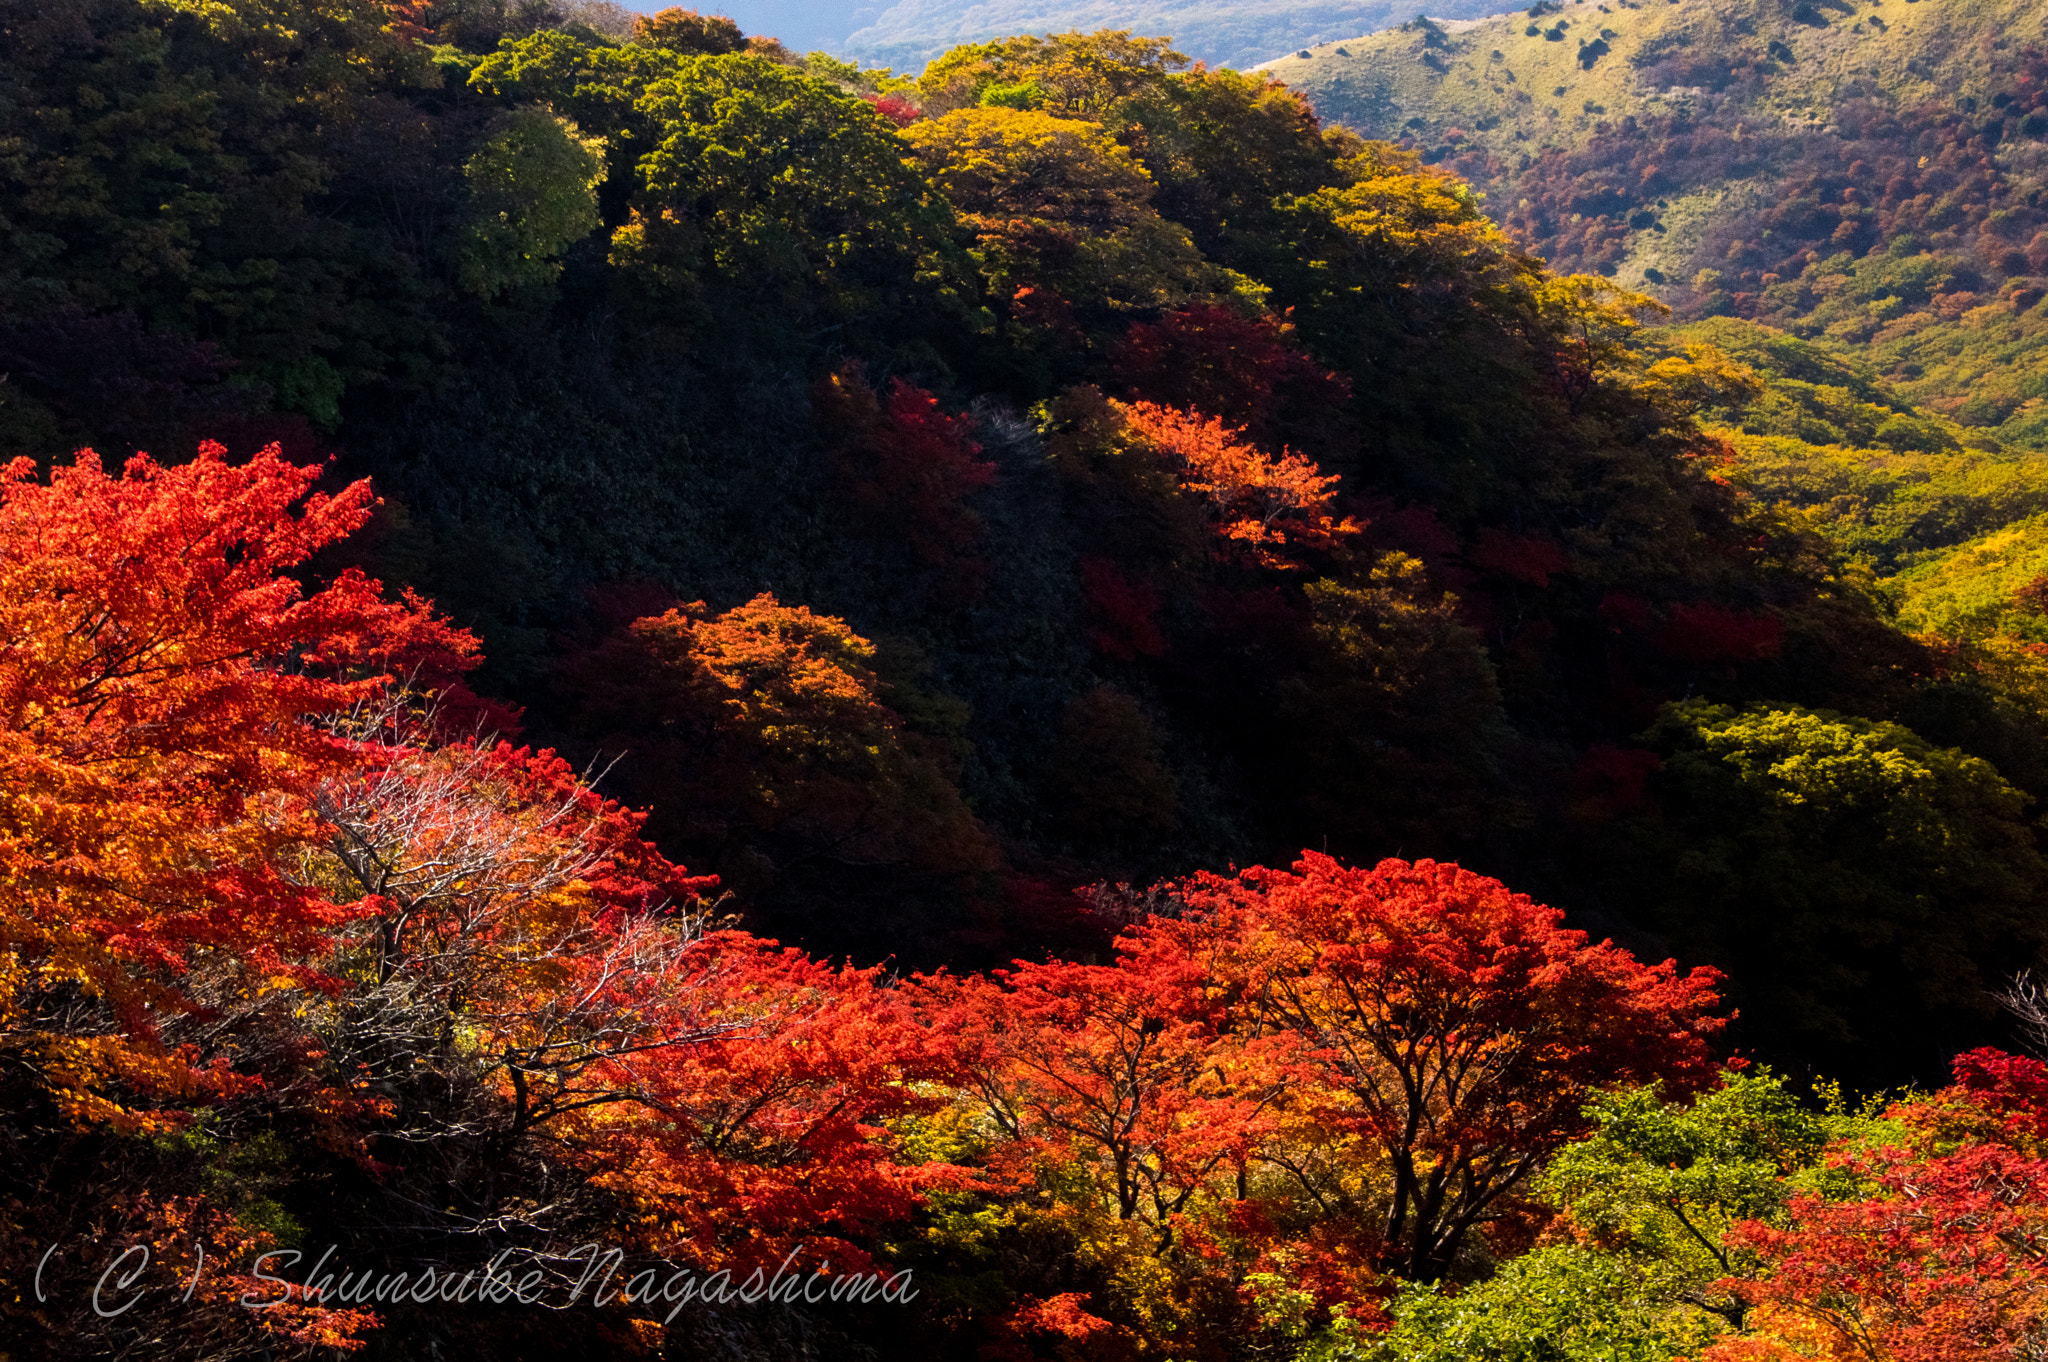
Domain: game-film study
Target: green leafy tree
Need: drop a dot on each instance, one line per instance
(171, 161)
(1557, 1304)
(1650, 1197)
(532, 194)
(783, 187)
(1663, 1182)
(599, 85)
(1860, 884)
(1393, 723)
(755, 193)
(1228, 150)
(1404, 245)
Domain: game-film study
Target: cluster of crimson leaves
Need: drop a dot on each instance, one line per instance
(1943, 1254)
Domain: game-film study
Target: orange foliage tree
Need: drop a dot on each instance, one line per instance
(760, 740)
(246, 871)
(164, 742)
(1127, 1111)
(1457, 1029)
(1260, 504)
(163, 1245)
(768, 715)
(159, 671)
(1290, 1083)
(685, 31)
(1130, 1070)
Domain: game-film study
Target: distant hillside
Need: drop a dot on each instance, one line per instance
(1871, 173)
(802, 25)
(1237, 33)
(1956, 526)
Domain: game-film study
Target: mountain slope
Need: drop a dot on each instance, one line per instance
(801, 25)
(1871, 173)
(1221, 32)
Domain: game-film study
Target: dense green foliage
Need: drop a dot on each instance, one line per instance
(1556, 1304)
(1642, 1263)
(1867, 863)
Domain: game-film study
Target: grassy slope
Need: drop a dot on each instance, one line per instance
(1922, 325)
(1974, 589)
(1681, 146)
(1535, 93)
(1955, 522)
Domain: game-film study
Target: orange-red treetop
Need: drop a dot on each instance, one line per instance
(1460, 1027)
(159, 672)
(1131, 1069)
(1261, 504)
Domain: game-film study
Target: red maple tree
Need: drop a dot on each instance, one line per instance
(162, 682)
(1130, 1070)
(1457, 1027)
(1940, 1255)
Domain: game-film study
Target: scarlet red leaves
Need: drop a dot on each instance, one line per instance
(1123, 613)
(767, 1134)
(1941, 1253)
(1130, 1071)
(1457, 1027)
(1706, 634)
(159, 672)
(1241, 1074)
(223, 789)
(909, 468)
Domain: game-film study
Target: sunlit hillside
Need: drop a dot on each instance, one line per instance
(1745, 158)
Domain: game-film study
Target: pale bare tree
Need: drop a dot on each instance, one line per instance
(492, 983)
(2029, 1006)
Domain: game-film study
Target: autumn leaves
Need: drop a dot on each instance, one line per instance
(164, 682)
(1316, 1064)
(253, 877)
(261, 894)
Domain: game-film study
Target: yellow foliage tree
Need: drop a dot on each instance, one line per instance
(1072, 74)
(1056, 205)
